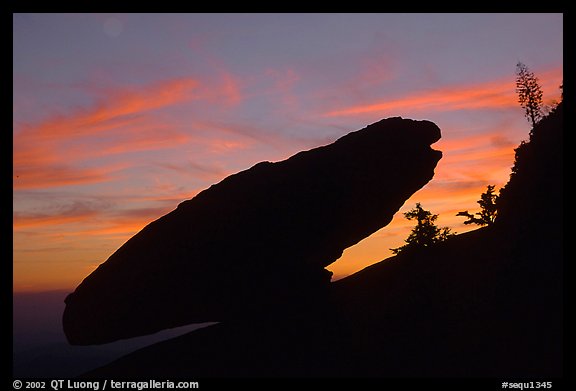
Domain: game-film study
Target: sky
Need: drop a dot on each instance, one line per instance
(117, 118)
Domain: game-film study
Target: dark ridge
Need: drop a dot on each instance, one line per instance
(485, 304)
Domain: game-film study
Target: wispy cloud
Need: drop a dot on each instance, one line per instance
(90, 218)
(498, 94)
(489, 95)
(119, 106)
(54, 175)
(46, 153)
(61, 212)
(201, 170)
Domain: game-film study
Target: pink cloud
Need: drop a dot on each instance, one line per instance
(46, 153)
(491, 95)
(498, 94)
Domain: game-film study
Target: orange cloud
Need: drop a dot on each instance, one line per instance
(485, 151)
(230, 89)
(53, 175)
(94, 216)
(122, 229)
(489, 95)
(45, 154)
(33, 221)
(114, 111)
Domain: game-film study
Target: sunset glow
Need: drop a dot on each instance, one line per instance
(114, 128)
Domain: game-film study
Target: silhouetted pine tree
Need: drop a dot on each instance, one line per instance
(425, 233)
(529, 93)
(488, 209)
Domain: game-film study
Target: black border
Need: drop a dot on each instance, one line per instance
(6, 158)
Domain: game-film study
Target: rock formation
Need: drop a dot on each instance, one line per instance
(256, 243)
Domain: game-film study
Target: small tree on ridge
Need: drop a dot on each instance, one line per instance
(425, 233)
(529, 93)
(488, 209)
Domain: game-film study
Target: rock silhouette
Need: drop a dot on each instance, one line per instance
(255, 244)
(484, 304)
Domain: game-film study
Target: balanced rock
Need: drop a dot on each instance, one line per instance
(257, 242)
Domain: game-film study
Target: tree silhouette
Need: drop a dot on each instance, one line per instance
(425, 233)
(488, 209)
(529, 93)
